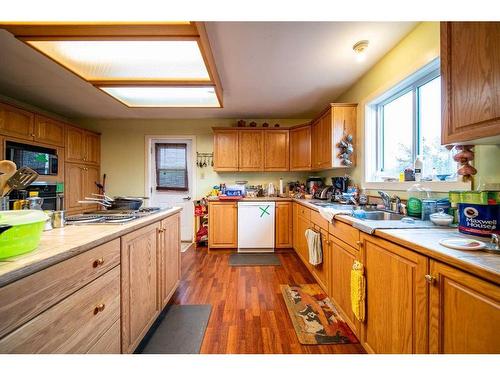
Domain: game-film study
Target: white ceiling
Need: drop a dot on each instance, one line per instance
(267, 69)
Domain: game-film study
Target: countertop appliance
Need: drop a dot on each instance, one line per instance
(42, 160)
(256, 227)
(313, 183)
(340, 185)
(324, 193)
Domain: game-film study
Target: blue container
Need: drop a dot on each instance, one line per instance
(479, 219)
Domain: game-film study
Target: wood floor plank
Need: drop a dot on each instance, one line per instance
(249, 314)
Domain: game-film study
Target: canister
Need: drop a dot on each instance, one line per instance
(429, 206)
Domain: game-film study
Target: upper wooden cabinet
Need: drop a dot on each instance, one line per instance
(225, 150)
(396, 298)
(251, 150)
(470, 76)
(300, 148)
(338, 120)
(464, 312)
(82, 146)
(49, 131)
(16, 122)
(276, 150)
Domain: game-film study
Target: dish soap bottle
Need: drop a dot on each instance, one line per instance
(415, 200)
(419, 165)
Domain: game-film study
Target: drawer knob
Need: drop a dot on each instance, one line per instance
(430, 279)
(100, 307)
(359, 243)
(98, 262)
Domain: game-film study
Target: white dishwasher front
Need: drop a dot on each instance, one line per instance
(256, 227)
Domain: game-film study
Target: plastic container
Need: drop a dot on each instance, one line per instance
(479, 219)
(419, 165)
(429, 206)
(415, 195)
(441, 218)
(20, 231)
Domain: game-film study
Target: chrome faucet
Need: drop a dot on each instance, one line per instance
(386, 199)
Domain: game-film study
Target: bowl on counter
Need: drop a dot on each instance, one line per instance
(20, 231)
(440, 218)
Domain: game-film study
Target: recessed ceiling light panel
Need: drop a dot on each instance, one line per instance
(154, 96)
(102, 60)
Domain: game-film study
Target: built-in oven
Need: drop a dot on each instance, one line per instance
(43, 160)
(52, 194)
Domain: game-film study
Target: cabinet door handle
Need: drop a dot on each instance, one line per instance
(98, 262)
(359, 243)
(430, 279)
(100, 307)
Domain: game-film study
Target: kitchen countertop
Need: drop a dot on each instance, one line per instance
(256, 199)
(426, 241)
(63, 243)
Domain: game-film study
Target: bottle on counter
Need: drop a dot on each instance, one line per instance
(419, 165)
(415, 195)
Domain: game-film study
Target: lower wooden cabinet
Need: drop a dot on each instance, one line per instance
(302, 225)
(341, 260)
(222, 225)
(321, 272)
(396, 298)
(79, 183)
(464, 312)
(284, 225)
(169, 258)
(139, 284)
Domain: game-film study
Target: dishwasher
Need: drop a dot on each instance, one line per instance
(256, 227)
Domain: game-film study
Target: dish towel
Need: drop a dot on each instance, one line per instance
(314, 245)
(330, 213)
(358, 288)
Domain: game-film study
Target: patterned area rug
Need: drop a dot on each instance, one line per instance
(314, 317)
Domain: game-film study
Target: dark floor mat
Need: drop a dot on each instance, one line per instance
(254, 260)
(181, 331)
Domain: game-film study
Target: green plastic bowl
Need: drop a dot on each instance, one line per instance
(24, 234)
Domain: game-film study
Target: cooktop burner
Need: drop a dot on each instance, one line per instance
(110, 216)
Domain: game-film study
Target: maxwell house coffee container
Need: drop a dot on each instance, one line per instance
(479, 219)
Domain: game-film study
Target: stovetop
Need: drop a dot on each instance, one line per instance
(110, 216)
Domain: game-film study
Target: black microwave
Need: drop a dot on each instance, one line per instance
(41, 159)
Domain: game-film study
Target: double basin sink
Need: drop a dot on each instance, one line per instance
(369, 213)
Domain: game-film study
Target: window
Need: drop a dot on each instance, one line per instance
(171, 166)
(408, 123)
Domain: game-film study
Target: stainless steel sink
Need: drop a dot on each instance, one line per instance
(382, 215)
(335, 206)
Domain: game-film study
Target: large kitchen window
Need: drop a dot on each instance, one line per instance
(171, 166)
(407, 123)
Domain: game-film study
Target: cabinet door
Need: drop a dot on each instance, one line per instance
(222, 225)
(302, 225)
(74, 186)
(322, 271)
(276, 150)
(91, 176)
(226, 150)
(75, 144)
(464, 313)
(251, 150)
(342, 259)
(140, 305)
(315, 144)
(295, 236)
(92, 153)
(49, 131)
(16, 122)
(170, 260)
(470, 77)
(344, 122)
(300, 149)
(284, 226)
(397, 298)
(325, 141)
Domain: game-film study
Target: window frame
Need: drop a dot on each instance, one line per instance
(171, 188)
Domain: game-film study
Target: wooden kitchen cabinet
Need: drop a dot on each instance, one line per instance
(302, 251)
(82, 146)
(225, 150)
(140, 303)
(321, 272)
(300, 148)
(80, 183)
(49, 131)
(92, 154)
(222, 225)
(343, 123)
(341, 260)
(16, 122)
(470, 77)
(396, 298)
(251, 150)
(169, 258)
(284, 225)
(464, 313)
(276, 150)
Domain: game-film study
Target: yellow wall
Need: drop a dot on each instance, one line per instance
(123, 152)
(419, 47)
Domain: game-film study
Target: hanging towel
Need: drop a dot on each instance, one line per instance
(329, 213)
(314, 246)
(358, 290)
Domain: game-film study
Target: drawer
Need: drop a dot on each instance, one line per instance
(345, 232)
(75, 324)
(319, 220)
(304, 212)
(24, 299)
(110, 342)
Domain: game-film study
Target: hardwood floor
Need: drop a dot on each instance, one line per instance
(248, 311)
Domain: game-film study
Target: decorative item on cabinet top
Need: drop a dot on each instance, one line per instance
(204, 159)
(253, 124)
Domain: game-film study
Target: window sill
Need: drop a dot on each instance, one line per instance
(437, 186)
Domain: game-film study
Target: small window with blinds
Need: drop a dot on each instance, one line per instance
(171, 166)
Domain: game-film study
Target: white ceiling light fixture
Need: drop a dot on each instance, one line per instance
(360, 50)
(169, 64)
